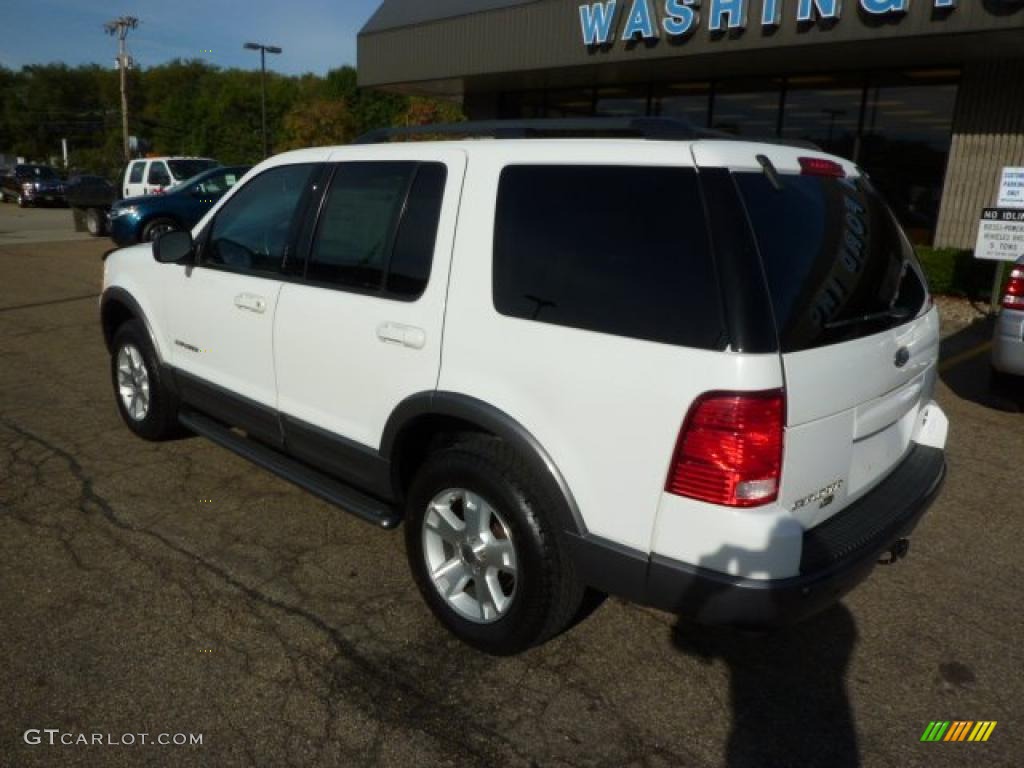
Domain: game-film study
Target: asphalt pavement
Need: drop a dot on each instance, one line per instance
(175, 589)
(36, 225)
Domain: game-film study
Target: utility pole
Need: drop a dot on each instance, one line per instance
(264, 50)
(119, 28)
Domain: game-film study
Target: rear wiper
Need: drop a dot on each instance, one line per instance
(769, 170)
(896, 313)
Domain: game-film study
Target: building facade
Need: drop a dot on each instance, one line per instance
(926, 95)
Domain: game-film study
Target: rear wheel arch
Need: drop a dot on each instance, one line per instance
(430, 421)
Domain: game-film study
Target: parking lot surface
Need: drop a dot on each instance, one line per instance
(36, 225)
(177, 589)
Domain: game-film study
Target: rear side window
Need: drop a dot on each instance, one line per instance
(135, 177)
(620, 250)
(837, 264)
(378, 227)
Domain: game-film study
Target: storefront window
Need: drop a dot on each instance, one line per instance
(824, 111)
(621, 102)
(571, 103)
(521, 105)
(683, 101)
(747, 109)
(907, 135)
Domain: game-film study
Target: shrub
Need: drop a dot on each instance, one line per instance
(955, 272)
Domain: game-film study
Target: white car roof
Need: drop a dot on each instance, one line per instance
(708, 153)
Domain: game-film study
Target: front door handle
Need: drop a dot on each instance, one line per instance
(406, 335)
(251, 303)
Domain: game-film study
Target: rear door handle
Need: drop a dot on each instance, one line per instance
(406, 335)
(251, 303)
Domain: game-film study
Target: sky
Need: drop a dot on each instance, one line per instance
(316, 35)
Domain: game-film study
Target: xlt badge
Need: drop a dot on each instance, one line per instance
(826, 496)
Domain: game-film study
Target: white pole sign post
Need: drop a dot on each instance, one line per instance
(1001, 232)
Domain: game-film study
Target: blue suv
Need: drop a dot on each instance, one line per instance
(143, 219)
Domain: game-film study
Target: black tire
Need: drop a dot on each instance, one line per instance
(95, 222)
(157, 227)
(160, 421)
(21, 201)
(547, 592)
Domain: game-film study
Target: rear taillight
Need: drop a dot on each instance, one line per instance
(818, 166)
(1014, 298)
(729, 450)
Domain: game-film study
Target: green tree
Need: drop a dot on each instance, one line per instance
(319, 123)
(191, 107)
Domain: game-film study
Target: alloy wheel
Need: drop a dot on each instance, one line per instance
(470, 555)
(133, 382)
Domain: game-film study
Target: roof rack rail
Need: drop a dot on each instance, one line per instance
(653, 128)
(659, 128)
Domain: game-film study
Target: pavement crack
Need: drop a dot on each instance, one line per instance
(416, 708)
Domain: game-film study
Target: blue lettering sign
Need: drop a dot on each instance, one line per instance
(879, 7)
(639, 22)
(736, 10)
(771, 13)
(599, 19)
(680, 19)
(596, 21)
(827, 9)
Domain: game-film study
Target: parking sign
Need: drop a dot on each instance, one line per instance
(1011, 189)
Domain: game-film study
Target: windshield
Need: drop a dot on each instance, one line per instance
(837, 264)
(212, 183)
(186, 169)
(37, 172)
(182, 184)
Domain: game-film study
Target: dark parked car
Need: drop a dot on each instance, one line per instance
(90, 198)
(142, 219)
(33, 185)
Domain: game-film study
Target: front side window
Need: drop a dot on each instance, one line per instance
(378, 227)
(253, 230)
(135, 177)
(621, 250)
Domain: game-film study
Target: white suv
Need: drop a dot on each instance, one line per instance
(696, 373)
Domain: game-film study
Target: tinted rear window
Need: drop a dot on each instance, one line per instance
(612, 249)
(838, 266)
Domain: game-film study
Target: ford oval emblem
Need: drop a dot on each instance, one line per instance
(902, 357)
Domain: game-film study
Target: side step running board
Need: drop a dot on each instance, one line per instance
(327, 488)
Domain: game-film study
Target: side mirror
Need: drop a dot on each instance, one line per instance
(174, 248)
